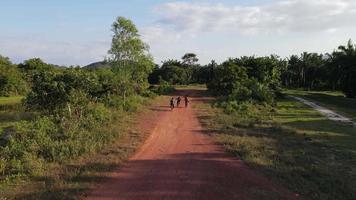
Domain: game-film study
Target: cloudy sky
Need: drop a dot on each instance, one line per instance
(68, 32)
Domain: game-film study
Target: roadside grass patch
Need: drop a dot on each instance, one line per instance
(298, 148)
(333, 100)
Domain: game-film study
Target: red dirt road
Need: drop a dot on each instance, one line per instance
(179, 162)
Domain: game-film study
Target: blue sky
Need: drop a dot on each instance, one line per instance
(69, 32)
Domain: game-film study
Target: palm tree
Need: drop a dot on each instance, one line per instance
(346, 63)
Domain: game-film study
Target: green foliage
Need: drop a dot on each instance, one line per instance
(76, 106)
(11, 79)
(52, 139)
(238, 83)
(33, 66)
(335, 71)
(190, 59)
(182, 72)
(129, 57)
(345, 60)
(53, 91)
(132, 102)
(163, 88)
(230, 79)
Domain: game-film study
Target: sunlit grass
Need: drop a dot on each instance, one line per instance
(301, 149)
(10, 100)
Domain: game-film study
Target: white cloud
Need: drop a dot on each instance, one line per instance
(213, 31)
(276, 17)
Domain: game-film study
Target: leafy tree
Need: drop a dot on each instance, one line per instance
(247, 79)
(173, 72)
(190, 59)
(266, 70)
(305, 71)
(33, 66)
(345, 62)
(11, 79)
(229, 78)
(330, 71)
(53, 92)
(129, 57)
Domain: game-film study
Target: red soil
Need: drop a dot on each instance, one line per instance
(178, 161)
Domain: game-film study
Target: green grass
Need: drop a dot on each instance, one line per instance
(331, 99)
(11, 111)
(191, 86)
(10, 100)
(299, 148)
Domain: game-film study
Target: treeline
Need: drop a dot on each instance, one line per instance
(331, 71)
(74, 108)
(182, 72)
(309, 71)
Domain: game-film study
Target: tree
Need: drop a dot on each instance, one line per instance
(33, 66)
(345, 61)
(173, 72)
(129, 57)
(11, 79)
(305, 71)
(229, 78)
(190, 59)
(53, 92)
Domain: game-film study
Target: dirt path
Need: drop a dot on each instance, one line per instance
(178, 161)
(326, 112)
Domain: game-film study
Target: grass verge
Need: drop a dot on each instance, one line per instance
(331, 99)
(297, 147)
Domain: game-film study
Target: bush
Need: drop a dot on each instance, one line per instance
(12, 81)
(163, 88)
(248, 113)
(131, 104)
(55, 139)
(261, 92)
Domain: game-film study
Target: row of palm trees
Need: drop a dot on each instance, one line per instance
(334, 71)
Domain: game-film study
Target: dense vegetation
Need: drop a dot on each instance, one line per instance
(310, 71)
(334, 71)
(12, 81)
(184, 72)
(247, 79)
(69, 112)
(72, 109)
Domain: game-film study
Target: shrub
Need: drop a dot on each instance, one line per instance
(261, 92)
(163, 88)
(11, 79)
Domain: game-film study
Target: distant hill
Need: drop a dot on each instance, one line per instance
(96, 65)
